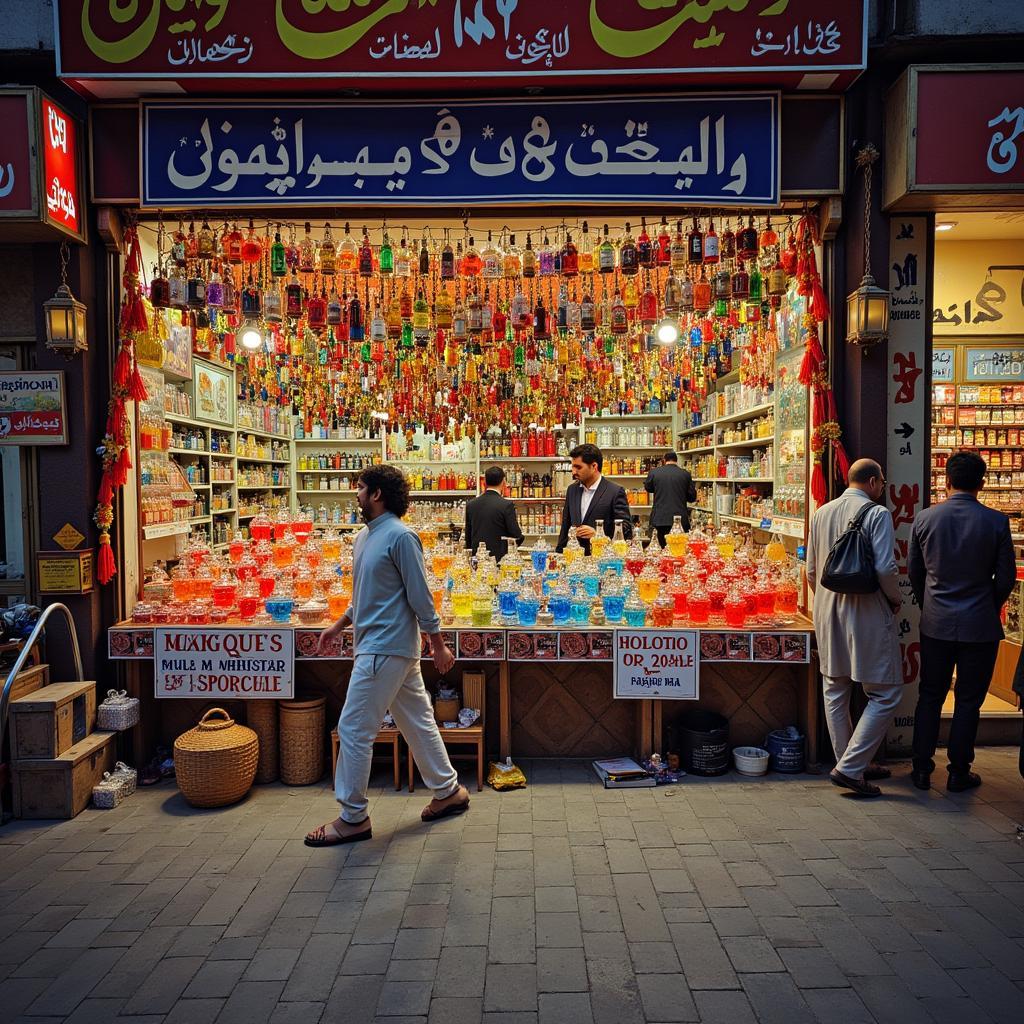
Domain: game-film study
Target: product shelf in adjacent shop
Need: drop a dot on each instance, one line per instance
(748, 520)
(543, 459)
(187, 451)
(221, 455)
(253, 458)
(745, 480)
(223, 511)
(320, 490)
(446, 494)
(164, 530)
(750, 413)
(698, 508)
(264, 487)
(635, 448)
(626, 476)
(199, 519)
(704, 449)
(262, 433)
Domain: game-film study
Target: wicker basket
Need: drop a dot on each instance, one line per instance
(216, 761)
(261, 717)
(303, 738)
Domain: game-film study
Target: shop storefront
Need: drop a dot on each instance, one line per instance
(957, 313)
(456, 283)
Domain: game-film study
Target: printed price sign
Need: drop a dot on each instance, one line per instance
(663, 664)
(243, 664)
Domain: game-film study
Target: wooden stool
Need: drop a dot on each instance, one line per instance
(474, 694)
(390, 737)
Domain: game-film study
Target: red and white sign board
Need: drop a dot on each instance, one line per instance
(40, 167)
(60, 167)
(906, 466)
(33, 409)
(663, 664)
(229, 663)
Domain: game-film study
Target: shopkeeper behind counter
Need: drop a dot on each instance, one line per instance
(591, 499)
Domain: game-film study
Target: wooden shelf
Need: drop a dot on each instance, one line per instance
(760, 442)
(178, 451)
(259, 433)
(688, 431)
(268, 462)
(703, 450)
(334, 440)
(264, 487)
(747, 414)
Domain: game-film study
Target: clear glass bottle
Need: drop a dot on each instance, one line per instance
(348, 252)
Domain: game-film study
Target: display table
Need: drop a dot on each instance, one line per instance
(554, 686)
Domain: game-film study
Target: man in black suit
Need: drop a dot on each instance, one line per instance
(590, 498)
(962, 569)
(491, 517)
(672, 487)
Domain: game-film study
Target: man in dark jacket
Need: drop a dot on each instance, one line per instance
(672, 487)
(492, 517)
(962, 569)
(592, 497)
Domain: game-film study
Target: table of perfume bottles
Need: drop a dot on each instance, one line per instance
(287, 572)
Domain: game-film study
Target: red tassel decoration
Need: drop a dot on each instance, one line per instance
(106, 494)
(807, 367)
(842, 462)
(106, 567)
(139, 322)
(137, 389)
(819, 307)
(818, 491)
(122, 368)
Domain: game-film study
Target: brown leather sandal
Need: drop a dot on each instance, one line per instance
(447, 811)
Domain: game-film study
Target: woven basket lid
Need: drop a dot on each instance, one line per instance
(216, 730)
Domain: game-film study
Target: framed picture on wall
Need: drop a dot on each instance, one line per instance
(214, 393)
(177, 347)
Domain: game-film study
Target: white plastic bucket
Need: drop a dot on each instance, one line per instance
(750, 760)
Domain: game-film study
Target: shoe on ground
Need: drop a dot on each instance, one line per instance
(921, 778)
(960, 782)
(858, 786)
(876, 772)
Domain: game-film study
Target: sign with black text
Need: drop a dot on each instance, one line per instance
(663, 664)
(243, 664)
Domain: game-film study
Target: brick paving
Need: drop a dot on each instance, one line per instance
(723, 900)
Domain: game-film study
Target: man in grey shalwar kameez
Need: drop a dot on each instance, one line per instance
(857, 641)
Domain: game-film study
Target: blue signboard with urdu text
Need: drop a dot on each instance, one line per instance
(708, 149)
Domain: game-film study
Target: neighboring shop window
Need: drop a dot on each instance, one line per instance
(14, 545)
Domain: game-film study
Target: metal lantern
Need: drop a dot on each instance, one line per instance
(867, 308)
(867, 313)
(65, 323)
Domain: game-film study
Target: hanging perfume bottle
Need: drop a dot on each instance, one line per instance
(529, 259)
(252, 249)
(695, 244)
(629, 259)
(386, 257)
(293, 298)
(447, 262)
(365, 256)
(586, 251)
(328, 253)
(278, 264)
(348, 252)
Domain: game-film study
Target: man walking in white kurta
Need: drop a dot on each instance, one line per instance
(857, 641)
(391, 604)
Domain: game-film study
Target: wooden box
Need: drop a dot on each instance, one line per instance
(446, 710)
(61, 787)
(28, 680)
(50, 720)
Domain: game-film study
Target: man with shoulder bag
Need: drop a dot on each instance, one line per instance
(851, 568)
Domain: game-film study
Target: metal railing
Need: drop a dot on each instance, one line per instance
(5, 696)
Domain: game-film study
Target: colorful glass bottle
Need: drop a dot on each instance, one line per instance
(328, 253)
(629, 257)
(278, 266)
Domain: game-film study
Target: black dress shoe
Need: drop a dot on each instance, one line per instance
(921, 778)
(959, 782)
(858, 786)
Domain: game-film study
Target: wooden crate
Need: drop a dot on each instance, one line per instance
(28, 680)
(47, 722)
(473, 684)
(61, 787)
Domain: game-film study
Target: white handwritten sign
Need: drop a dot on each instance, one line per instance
(229, 662)
(661, 664)
(32, 407)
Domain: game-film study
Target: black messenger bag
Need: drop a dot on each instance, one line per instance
(850, 566)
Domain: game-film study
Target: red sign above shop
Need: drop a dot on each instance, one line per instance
(60, 167)
(16, 179)
(40, 168)
(956, 131)
(379, 45)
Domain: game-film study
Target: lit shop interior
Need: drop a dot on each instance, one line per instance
(977, 377)
(282, 356)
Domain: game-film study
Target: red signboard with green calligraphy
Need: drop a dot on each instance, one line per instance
(388, 45)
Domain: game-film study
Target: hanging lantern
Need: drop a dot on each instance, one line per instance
(65, 315)
(867, 308)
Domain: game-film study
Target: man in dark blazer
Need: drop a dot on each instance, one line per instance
(592, 497)
(491, 517)
(962, 569)
(672, 487)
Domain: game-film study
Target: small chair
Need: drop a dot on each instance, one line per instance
(391, 737)
(474, 691)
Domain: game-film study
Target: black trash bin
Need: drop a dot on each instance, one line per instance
(704, 742)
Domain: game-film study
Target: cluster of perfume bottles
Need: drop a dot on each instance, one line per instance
(705, 270)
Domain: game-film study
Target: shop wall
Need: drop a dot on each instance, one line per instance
(979, 288)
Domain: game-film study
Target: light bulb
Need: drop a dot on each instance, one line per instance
(667, 332)
(251, 337)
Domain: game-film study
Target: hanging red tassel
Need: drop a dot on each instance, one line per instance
(818, 491)
(139, 322)
(122, 369)
(106, 494)
(106, 567)
(137, 389)
(842, 461)
(118, 420)
(808, 367)
(819, 307)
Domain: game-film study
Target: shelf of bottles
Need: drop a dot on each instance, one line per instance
(987, 419)
(327, 463)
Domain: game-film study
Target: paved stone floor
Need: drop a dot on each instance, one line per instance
(717, 900)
